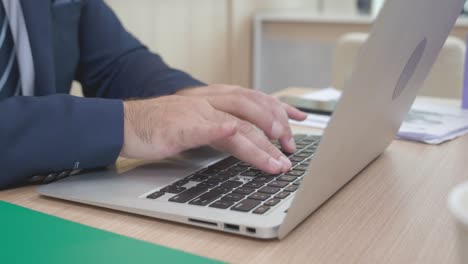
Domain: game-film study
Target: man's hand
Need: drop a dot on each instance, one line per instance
(229, 118)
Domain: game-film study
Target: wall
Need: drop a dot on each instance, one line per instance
(241, 32)
(190, 35)
(211, 39)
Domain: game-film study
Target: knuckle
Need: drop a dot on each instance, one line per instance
(254, 94)
(245, 127)
(271, 149)
(228, 88)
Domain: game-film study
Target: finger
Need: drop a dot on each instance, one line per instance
(255, 108)
(206, 133)
(244, 149)
(263, 111)
(258, 138)
(294, 113)
(281, 124)
(248, 110)
(286, 139)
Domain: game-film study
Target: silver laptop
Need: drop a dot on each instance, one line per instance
(208, 189)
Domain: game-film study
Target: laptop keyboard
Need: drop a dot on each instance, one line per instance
(236, 185)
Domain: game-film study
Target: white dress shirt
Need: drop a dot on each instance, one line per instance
(20, 37)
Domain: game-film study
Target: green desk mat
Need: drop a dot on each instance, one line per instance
(28, 236)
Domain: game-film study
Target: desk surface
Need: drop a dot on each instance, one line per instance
(393, 212)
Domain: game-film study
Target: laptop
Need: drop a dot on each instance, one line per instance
(209, 189)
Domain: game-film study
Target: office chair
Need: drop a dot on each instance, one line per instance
(445, 79)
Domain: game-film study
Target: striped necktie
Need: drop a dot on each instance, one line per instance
(10, 84)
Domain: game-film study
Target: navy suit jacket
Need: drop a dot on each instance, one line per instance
(54, 132)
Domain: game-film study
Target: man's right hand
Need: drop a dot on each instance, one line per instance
(159, 128)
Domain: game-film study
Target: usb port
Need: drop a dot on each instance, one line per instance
(231, 227)
(251, 230)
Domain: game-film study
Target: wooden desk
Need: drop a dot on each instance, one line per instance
(393, 212)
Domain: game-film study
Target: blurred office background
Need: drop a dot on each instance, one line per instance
(213, 39)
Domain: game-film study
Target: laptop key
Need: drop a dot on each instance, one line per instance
(188, 194)
(244, 190)
(245, 164)
(282, 195)
(223, 189)
(173, 189)
(310, 148)
(224, 164)
(239, 168)
(301, 167)
(246, 205)
(264, 178)
(261, 210)
(291, 188)
(227, 174)
(301, 146)
(298, 182)
(295, 173)
(296, 159)
(198, 178)
(217, 179)
(233, 197)
(155, 195)
(269, 190)
(232, 184)
(210, 171)
(250, 173)
(307, 141)
(228, 186)
(208, 184)
(254, 184)
(222, 204)
(272, 202)
(259, 196)
(206, 198)
(313, 137)
(287, 178)
(180, 182)
(303, 154)
(309, 151)
(279, 184)
(298, 137)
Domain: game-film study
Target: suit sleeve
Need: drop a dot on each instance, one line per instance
(42, 135)
(114, 64)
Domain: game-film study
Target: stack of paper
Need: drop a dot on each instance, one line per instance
(434, 124)
(427, 121)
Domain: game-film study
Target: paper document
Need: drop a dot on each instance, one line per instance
(327, 94)
(427, 122)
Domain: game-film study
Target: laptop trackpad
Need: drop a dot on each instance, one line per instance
(132, 178)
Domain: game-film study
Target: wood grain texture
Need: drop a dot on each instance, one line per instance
(393, 212)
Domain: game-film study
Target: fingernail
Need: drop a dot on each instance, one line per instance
(275, 164)
(292, 144)
(286, 163)
(276, 130)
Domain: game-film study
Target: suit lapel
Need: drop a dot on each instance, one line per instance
(38, 18)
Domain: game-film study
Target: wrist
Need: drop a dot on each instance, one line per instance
(191, 90)
(127, 130)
